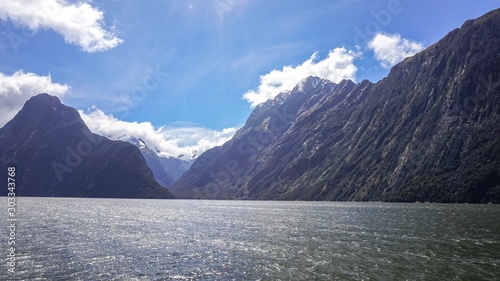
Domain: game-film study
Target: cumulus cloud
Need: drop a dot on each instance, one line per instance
(337, 66)
(17, 88)
(171, 141)
(79, 23)
(392, 49)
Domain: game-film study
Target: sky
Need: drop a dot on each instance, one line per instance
(185, 75)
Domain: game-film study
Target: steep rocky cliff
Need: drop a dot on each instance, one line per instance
(429, 131)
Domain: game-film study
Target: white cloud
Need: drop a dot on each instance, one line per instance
(79, 23)
(392, 49)
(172, 141)
(16, 89)
(337, 66)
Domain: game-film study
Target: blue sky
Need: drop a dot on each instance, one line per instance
(184, 66)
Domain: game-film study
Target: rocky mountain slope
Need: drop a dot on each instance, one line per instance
(55, 154)
(165, 169)
(429, 131)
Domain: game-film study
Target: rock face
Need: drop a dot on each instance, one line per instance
(176, 166)
(55, 154)
(429, 131)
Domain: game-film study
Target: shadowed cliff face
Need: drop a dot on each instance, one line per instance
(55, 154)
(427, 132)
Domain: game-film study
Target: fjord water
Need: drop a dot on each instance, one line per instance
(114, 239)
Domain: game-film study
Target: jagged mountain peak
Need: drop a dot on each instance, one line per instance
(138, 142)
(311, 82)
(289, 102)
(426, 132)
(40, 111)
(43, 99)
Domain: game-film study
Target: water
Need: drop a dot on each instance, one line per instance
(111, 239)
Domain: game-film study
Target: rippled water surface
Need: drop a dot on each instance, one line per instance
(114, 239)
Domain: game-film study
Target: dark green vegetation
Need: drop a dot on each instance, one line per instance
(55, 154)
(429, 131)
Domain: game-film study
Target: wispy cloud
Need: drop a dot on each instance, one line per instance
(337, 66)
(15, 89)
(390, 49)
(224, 7)
(172, 141)
(79, 23)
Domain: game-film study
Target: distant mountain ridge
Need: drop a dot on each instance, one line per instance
(165, 169)
(55, 154)
(429, 131)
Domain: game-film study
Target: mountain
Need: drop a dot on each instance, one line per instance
(165, 169)
(176, 166)
(55, 154)
(429, 131)
(160, 172)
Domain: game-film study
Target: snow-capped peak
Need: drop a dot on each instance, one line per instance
(137, 142)
(145, 148)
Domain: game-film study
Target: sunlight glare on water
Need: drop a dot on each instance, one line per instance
(114, 239)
